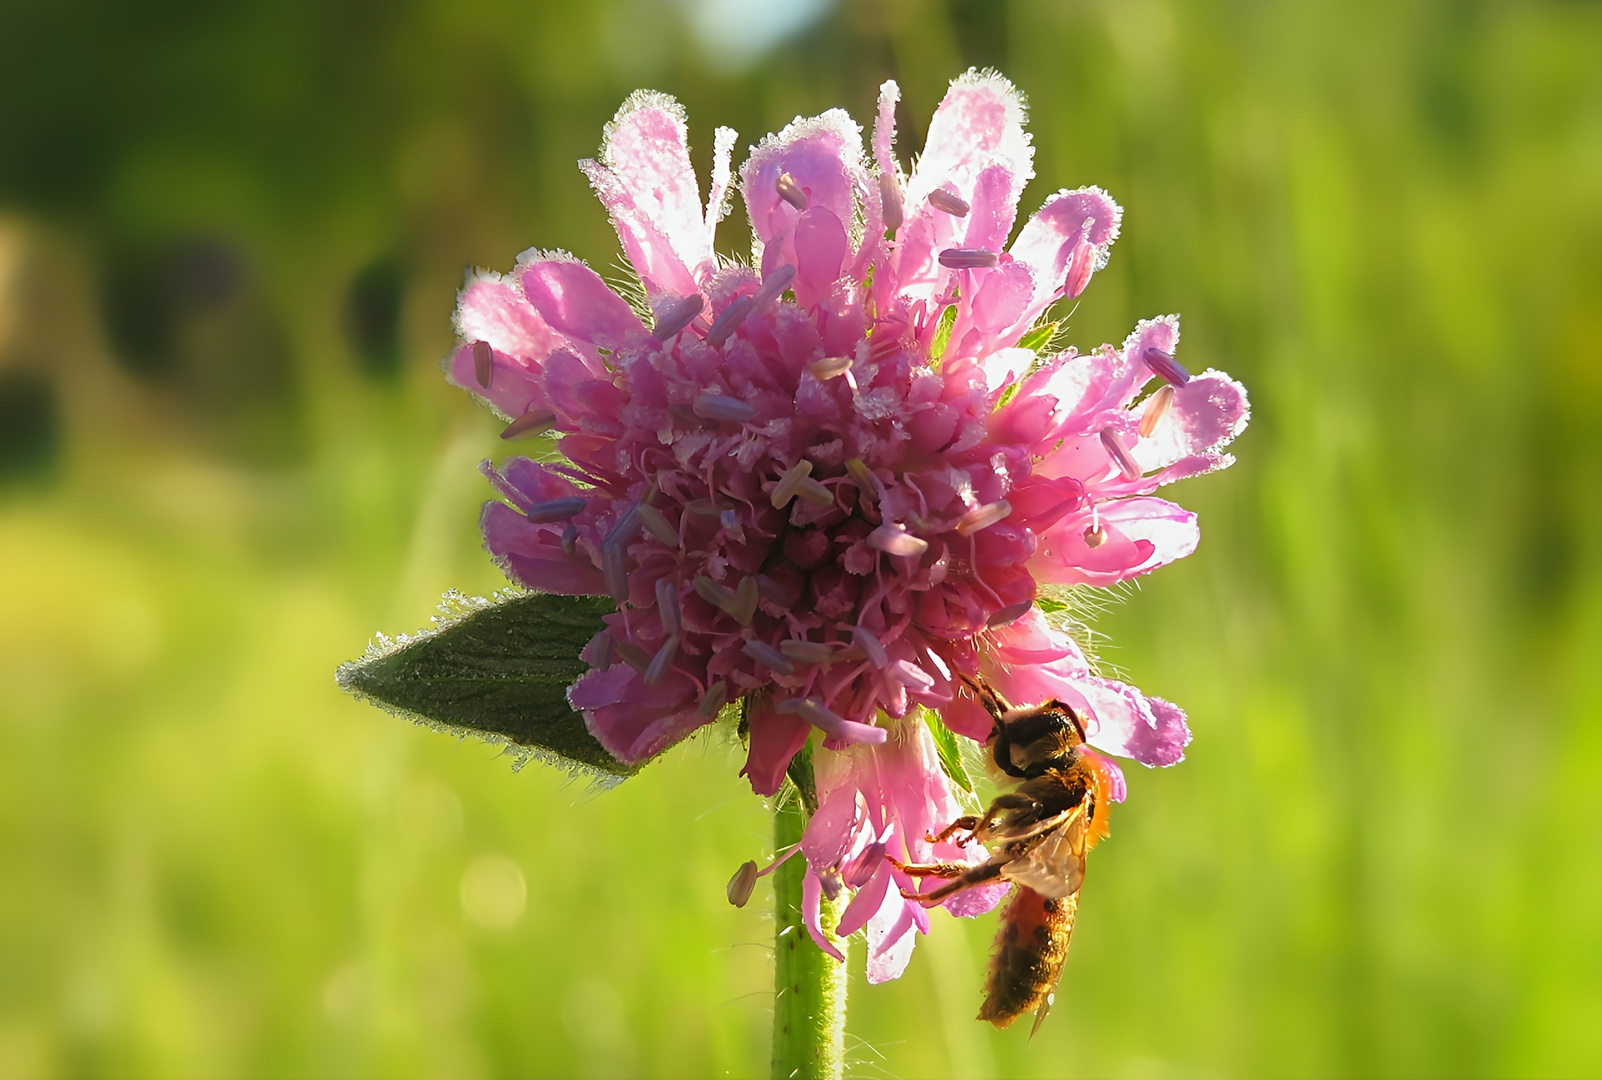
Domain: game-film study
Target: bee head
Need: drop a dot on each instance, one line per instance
(1032, 741)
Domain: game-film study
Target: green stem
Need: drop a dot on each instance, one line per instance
(809, 1004)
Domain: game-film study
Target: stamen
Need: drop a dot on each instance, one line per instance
(551, 510)
(1081, 264)
(790, 191)
(703, 508)
(715, 406)
(483, 363)
(667, 605)
(1010, 613)
(763, 653)
(820, 716)
(1120, 456)
(570, 539)
(890, 200)
(858, 871)
(829, 880)
(719, 596)
(1157, 407)
(774, 593)
(829, 367)
(870, 646)
(657, 523)
(634, 656)
(746, 596)
(533, 422)
(968, 258)
(814, 492)
(862, 476)
(910, 676)
(1165, 366)
(896, 540)
(725, 323)
(772, 288)
(807, 652)
(677, 317)
(730, 520)
(659, 662)
(684, 416)
(948, 201)
(982, 517)
(742, 884)
(612, 568)
(1095, 536)
(717, 696)
(785, 489)
(625, 529)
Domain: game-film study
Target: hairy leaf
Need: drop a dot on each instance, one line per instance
(950, 753)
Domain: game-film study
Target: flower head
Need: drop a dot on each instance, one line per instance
(831, 482)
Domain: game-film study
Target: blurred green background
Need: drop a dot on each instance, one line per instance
(229, 241)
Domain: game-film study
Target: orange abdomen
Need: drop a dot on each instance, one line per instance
(1030, 949)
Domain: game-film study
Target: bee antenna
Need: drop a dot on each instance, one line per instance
(994, 703)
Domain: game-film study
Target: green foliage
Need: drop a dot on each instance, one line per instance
(499, 670)
(1040, 337)
(950, 752)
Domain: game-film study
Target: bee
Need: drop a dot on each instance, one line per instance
(1040, 833)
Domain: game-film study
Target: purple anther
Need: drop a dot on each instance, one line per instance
(806, 652)
(910, 675)
(790, 191)
(533, 422)
(730, 520)
(725, 324)
(1010, 614)
(544, 513)
(742, 884)
(869, 643)
(483, 363)
(684, 416)
(717, 696)
(788, 707)
(746, 596)
(570, 539)
(982, 517)
(890, 200)
(719, 596)
(948, 202)
(714, 406)
(772, 288)
(659, 663)
(829, 367)
(1120, 456)
(678, 315)
(774, 593)
(1081, 264)
(667, 605)
(858, 871)
(763, 653)
(825, 719)
(625, 529)
(1156, 408)
(814, 492)
(703, 508)
(896, 540)
(829, 881)
(657, 524)
(613, 570)
(785, 489)
(632, 655)
(968, 258)
(1165, 366)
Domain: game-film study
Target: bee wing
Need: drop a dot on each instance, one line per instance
(1055, 867)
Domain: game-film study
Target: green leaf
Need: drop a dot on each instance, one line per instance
(948, 749)
(1050, 606)
(942, 337)
(1039, 337)
(498, 669)
(801, 775)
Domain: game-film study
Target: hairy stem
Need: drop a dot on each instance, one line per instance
(809, 1004)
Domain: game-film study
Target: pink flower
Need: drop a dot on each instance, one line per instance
(832, 481)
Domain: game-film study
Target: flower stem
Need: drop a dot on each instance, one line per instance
(809, 1003)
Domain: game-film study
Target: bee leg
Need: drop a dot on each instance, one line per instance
(934, 869)
(1015, 807)
(994, 703)
(967, 823)
(971, 877)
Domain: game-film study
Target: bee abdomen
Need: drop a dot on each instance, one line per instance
(1029, 952)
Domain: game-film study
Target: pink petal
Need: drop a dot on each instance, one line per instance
(1047, 241)
(884, 129)
(574, 300)
(775, 738)
(821, 248)
(980, 123)
(891, 937)
(1125, 722)
(633, 721)
(533, 555)
(866, 903)
(823, 157)
(1142, 534)
(1207, 413)
(489, 308)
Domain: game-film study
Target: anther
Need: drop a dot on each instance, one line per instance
(659, 663)
(667, 605)
(862, 476)
(742, 883)
(632, 655)
(746, 596)
(483, 363)
(730, 520)
(1157, 407)
(890, 200)
(717, 696)
(533, 422)
(763, 653)
(790, 191)
(570, 539)
(1081, 264)
(829, 881)
(807, 652)
(613, 570)
(814, 493)
(1165, 366)
(1095, 536)
(825, 719)
(657, 524)
(677, 317)
(544, 513)
(865, 640)
(714, 406)
(725, 323)
(829, 367)
(1120, 456)
(858, 871)
(703, 508)
(772, 288)
(911, 676)
(896, 540)
(953, 204)
(625, 529)
(982, 517)
(774, 593)
(719, 596)
(1009, 614)
(785, 489)
(968, 258)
